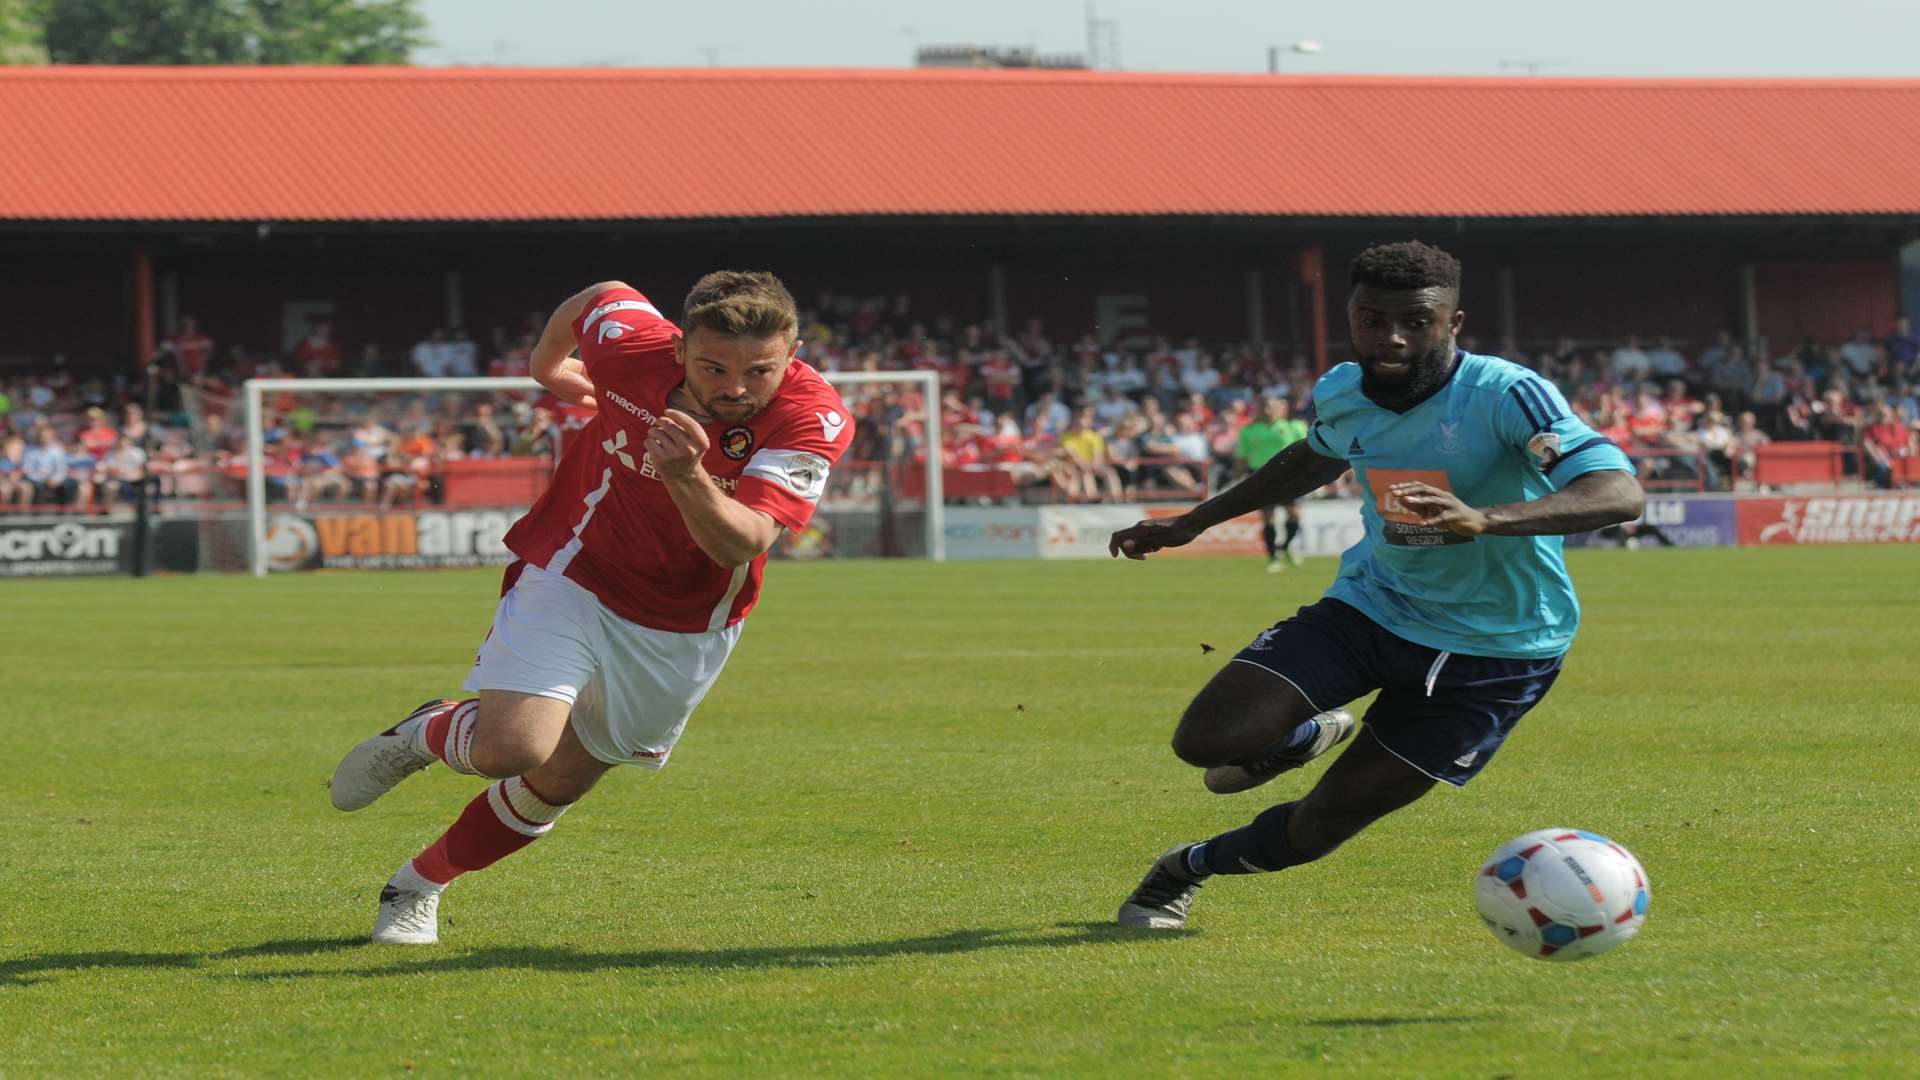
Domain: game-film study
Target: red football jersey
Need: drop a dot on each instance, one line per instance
(608, 522)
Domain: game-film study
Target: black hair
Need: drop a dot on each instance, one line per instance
(1408, 264)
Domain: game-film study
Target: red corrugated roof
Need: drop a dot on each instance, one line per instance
(384, 144)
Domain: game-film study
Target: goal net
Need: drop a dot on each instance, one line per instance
(415, 473)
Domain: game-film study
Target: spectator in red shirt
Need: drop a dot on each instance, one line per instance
(98, 437)
(190, 346)
(1679, 402)
(1887, 444)
(1647, 419)
(317, 357)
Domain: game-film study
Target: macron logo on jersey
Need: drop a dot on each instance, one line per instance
(831, 424)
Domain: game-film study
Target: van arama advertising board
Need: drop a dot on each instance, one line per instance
(389, 539)
(1831, 519)
(63, 547)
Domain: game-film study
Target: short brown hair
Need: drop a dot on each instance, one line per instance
(742, 303)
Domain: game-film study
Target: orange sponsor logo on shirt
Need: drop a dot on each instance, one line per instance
(1382, 481)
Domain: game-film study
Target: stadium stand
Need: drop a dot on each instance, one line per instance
(1027, 417)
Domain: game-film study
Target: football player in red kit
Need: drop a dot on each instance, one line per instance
(635, 570)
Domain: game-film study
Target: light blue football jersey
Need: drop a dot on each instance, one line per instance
(1493, 433)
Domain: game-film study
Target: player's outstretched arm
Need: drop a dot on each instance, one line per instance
(552, 362)
(1590, 501)
(1292, 474)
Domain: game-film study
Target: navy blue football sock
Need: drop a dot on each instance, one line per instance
(1271, 537)
(1254, 849)
(1293, 530)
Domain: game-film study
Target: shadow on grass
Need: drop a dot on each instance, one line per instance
(1394, 1021)
(27, 969)
(293, 947)
(563, 958)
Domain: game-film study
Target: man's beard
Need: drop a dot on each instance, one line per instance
(1424, 375)
(733, 409)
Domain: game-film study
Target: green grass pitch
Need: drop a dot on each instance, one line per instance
(894, 838)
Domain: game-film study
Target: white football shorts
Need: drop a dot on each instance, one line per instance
(632, 688)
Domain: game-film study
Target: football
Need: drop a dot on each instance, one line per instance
(1562, 894)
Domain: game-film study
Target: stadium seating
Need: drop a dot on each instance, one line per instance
(1782, 463)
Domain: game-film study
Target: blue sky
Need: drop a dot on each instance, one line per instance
(1828, 38)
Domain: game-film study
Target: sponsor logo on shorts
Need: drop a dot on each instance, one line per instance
(650, 755)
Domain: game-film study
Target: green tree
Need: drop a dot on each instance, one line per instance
(22, 39)
(337, 31)
(231, 31)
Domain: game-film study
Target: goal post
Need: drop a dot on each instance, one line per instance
(861, 390)
(928, 384)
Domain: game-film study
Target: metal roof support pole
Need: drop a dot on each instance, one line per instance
(141, 268)
(451, 286)
(1313, 271)
(1256, 307)
(997, 298)
(1749, 307)
(168, 296)
(1507, 312)
(1910, 280)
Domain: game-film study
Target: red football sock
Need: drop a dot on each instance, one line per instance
(499, 821)
(449, 735)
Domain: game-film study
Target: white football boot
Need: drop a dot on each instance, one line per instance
(380, 762)
(407, 917)
(1336, 725)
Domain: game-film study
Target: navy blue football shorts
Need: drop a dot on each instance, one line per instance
(1443, 713)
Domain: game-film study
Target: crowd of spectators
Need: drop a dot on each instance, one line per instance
(1073, 418)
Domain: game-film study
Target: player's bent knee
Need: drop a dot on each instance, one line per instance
(1200, 742)
(498, 759)
(515, 732)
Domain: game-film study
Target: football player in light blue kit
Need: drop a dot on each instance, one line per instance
(1456, 605)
